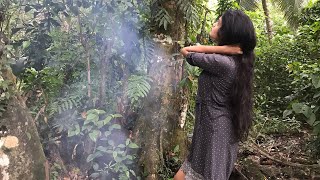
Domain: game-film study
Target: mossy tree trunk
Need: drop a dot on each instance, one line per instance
(21, 153)
(160, 126)
(27, 160)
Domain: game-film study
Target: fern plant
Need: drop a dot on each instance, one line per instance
(163, 18)
(138, 87)
(190, 11)
(187, 8)
(64, 104)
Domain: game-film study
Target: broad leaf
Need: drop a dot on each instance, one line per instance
(94, 135)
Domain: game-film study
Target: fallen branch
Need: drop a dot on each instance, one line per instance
(282, 160)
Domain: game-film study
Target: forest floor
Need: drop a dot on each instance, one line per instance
(279, 156)
(272, 156)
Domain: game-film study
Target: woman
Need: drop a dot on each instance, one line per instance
(224, 100)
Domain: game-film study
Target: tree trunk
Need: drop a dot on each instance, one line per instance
(158, 122)
(85, 45)
(21, 153)
(104, 59)
(268, 20)
(27, 160)
(160, 126)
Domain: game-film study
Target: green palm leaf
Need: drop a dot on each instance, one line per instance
(248, 4)
(291, 10)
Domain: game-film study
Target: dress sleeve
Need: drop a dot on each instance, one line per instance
(213, 63)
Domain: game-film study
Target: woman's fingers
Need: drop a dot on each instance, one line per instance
(234, 49)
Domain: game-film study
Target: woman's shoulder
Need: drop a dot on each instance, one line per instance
(226, 60)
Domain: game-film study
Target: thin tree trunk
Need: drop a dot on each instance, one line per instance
(103, 73)
(87, 57)
(268, 20)
(88, 73)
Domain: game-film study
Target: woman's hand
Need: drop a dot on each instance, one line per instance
(227, 49)
(184, 51)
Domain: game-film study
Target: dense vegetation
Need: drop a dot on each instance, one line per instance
(83, 67)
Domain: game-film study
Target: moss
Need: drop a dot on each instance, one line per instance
(27, 160)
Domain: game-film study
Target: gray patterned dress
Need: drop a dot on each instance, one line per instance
(213, 150)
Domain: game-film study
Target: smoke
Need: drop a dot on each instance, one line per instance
(114, 151)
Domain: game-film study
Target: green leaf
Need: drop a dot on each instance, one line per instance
(127, 142)
(107, 119)
(316, 123)
(118, 159)
(165, 24)
(101, 148)
(133, 146)
(286, 113)
(316, 81)
(316, 95)
(121, 146)
(26, 44)
(95, 166)
(316, 129)
(92, 117)
(176, 149)
(307, 111)
(311, 119)
(114, 126)
(90, 157)
(74, 130)
(28, 135)
(297, 107)
(114, 154)
(132, 172)
(101, 111)
(94, 135)
(117, 115)
(129, 157)
(100, 124)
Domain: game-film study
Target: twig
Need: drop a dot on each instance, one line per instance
(47, 170)
(281, 161)
(241, 173)
(39, 112)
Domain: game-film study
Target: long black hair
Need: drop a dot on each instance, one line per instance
(237, 29)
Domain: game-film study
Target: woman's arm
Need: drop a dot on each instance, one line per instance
(211, 49)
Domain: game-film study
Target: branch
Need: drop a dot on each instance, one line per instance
(282, 160)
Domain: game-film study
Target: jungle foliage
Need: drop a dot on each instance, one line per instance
(82, 67)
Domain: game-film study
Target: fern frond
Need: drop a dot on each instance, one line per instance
(190, 11)
(291, 10)
(148, 47)
(163, 18)
(138, 87)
